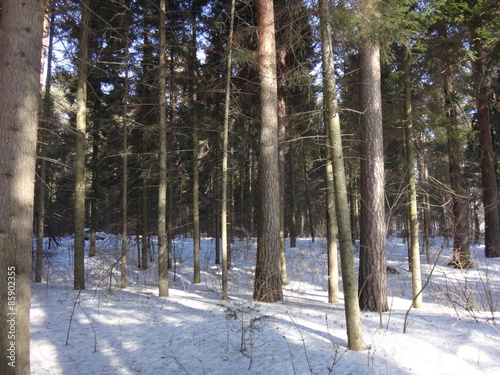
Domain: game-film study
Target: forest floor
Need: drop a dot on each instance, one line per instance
(108, 330)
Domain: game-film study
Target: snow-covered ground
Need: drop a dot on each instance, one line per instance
(108, 330)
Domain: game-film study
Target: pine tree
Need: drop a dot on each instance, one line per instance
(79, 170)
(372, 270)
(268, 283)
(21, 28)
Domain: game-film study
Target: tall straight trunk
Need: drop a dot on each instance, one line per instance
(144, 221)
(488, 174)
(81, 124)
(293, 199)
(196, 161)
(354, 203)
(20, 46)
(460, 229)
(124, 242)
(308, 199)
(426, 207)
(251, 168)
(162, 156)
(372, 257)
(268, 284)
(170, 167)
(282, 120)
(332, 250)
(412, 188)
(461, 246)
(93, 196)
(225, 147)
(352, 313)
(42, 174)
(196, 202)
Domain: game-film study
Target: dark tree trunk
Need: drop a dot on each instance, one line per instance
(488, 175)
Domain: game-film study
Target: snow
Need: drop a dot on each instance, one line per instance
(108, 330)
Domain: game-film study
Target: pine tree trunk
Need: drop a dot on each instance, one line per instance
(124, 242)
(162, 156)
(42, 174)
(225, 147)
(372, 258)
(21, 30)
(412, 189)
(282, 120)
(293, 199)
(144, 221)
(426, 208)
(460, 229)
(332, 251)
(352, 313)
(488, 174)
(196, 161)
(81, 124)
(268, 284)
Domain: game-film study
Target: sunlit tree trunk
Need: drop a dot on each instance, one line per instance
(352, 312)
(268, 285)
(21, 28)
(372, 256)
(225, 146)
(81, 124)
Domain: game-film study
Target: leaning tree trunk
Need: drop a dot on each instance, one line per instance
(268, 283)
(372, 257)
(20, 47)
(81, 124)
(352, 313)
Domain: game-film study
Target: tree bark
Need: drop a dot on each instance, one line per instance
(372, 258)
(268, 283)
(488, 174)
(282, 124)
(81, 125)
(42, 174)
(352, 313)
(461, 246)
(225, 147)
(196, 157)
(412, 189)
(21, 29)
(124, 242)
(162, 156)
